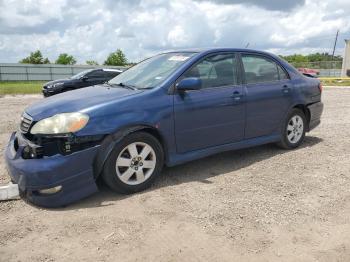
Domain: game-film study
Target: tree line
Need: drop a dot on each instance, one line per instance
(116, 58)
(315, 61)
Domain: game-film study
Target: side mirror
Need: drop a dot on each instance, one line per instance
(84, 78)
(190, 83)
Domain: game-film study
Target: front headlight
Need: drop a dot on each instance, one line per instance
(61, 124)
(57, 84)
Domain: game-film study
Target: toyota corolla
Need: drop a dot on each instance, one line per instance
(166, 110)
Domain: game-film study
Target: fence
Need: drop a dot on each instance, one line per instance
(325, 68)
(46, 72)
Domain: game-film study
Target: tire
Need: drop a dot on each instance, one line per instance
(293, 131)
(134, 163)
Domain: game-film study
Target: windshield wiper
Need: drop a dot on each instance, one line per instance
(122, 85)
(127, 86)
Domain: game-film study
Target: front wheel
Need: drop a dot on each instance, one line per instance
(134, 163)
(294, 129)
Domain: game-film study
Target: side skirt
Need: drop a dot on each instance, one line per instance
(176, 159)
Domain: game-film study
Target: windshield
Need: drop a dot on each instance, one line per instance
(82, 73)
(151, 72)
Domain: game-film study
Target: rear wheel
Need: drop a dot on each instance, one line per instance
(293, 131)
(134, 163)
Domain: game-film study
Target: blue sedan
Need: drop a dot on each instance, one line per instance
(169, 109)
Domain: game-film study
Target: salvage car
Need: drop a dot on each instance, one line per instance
(167, 110)
(309, 72)
(85, 78)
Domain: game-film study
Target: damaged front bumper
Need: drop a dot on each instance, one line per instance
(50, 181)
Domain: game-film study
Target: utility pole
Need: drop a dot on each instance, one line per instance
(335, 44)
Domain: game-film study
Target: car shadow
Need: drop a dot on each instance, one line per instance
(211, 166)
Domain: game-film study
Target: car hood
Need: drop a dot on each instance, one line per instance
(78, 100)
(58, 81)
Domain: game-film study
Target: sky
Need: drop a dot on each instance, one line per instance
(91, 29)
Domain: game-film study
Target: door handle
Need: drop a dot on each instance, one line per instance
(236, 95)
(285, 89)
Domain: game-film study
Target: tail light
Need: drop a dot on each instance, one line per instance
(320, 87)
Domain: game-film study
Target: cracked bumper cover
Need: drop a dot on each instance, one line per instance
(73, 172)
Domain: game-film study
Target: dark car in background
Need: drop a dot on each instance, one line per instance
(83, 79)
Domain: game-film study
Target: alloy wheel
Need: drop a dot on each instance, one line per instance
(295, 129)
(136, 163)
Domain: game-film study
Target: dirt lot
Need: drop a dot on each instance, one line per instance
(259, 204)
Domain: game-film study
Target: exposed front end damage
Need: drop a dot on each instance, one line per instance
(52, 171)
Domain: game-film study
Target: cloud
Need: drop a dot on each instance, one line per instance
(279, 5)
(92, 29)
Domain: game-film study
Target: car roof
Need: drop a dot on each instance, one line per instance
(217, 49)
(208, 51)
(112, 70)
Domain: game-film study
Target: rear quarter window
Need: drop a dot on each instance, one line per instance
(282, 74)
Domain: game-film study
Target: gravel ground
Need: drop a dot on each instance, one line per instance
(258, 204)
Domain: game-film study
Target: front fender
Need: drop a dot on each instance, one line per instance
(109, 143)
(152, 110)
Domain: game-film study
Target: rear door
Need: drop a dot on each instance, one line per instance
(268, 94)
(215, 114)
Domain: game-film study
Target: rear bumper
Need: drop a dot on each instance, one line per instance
(315, 110)
(74, 173)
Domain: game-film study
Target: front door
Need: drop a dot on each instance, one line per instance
(215, 114)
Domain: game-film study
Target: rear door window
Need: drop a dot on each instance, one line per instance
(259, 69)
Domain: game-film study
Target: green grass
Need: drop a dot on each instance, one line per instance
(20, 87)
(335, 81)
(34, 87)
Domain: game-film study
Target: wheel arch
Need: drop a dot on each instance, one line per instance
(306, 112)
(111, 140)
